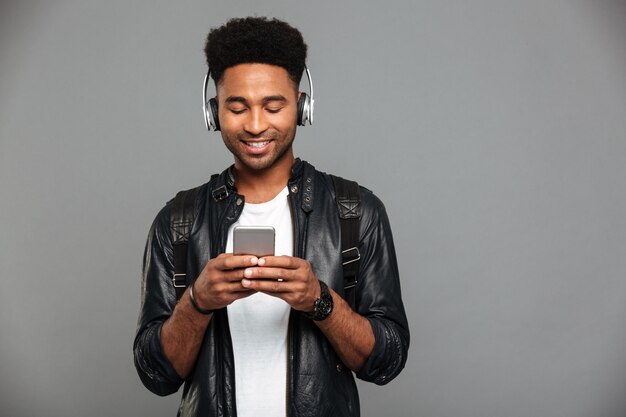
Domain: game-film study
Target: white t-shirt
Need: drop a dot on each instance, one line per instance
(258, 323)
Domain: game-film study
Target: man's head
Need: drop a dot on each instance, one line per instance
(257, 64)
(256, 40)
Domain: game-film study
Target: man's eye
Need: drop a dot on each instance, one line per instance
(237, 111)
(273, 110)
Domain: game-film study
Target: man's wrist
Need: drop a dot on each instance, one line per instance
(195, 305)
(323, 306)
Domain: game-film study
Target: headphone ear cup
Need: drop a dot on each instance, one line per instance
(302, 104)
(214, 113)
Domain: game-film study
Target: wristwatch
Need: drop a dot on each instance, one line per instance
(323, 306)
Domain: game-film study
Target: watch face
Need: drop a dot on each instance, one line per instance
(325, 306)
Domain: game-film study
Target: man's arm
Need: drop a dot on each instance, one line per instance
(378, 294)
(158, 300)
(349, 333)
(374, 340)
(218, 285)
(170, 333)
(182, 334)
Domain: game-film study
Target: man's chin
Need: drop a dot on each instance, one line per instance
(263, 162)
(256, 164)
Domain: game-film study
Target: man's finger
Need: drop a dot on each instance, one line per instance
(237, 287)
(233, 275)
(279, 274)
(267, 285)
(288, 262)
(233, 262)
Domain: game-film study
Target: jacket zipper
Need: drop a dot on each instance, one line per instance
(299, 235)
(288, 382)
(223, 237)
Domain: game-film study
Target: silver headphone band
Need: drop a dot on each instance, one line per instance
(309, 109)
(205, 103)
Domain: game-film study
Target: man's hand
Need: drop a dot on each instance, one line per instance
(219, 283)
(288, 278)
(293, 280)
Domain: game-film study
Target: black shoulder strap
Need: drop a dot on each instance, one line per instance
(182, 214)
(349, 208)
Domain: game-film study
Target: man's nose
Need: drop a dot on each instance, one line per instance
(256, 122)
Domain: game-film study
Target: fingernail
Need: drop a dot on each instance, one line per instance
(245, 282)
(254, 260)
(261, 262)
(247, 273)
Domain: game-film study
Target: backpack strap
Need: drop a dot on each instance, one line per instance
(349, 208)
(183, 211)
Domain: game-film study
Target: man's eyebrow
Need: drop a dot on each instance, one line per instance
(236, 99)
(267, 99)
(274, 98)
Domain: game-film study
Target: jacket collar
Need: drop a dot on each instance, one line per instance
(225, 184)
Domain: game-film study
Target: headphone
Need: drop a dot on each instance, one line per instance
(212, 122)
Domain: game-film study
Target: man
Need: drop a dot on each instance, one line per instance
(272, 335)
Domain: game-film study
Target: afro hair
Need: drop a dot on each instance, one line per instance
(255, 40)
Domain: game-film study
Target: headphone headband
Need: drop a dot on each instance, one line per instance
(311, 101)
(208, 116)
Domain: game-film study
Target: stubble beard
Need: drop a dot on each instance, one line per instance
(258, 163)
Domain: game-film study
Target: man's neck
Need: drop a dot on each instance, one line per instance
(261, 186)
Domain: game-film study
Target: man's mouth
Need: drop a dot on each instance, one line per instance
(257, 144)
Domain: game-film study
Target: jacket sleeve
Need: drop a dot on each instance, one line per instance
(158, 300)
(378, 294)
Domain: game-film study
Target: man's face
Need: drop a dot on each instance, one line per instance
(258, 114)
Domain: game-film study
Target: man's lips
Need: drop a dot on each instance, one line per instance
(257, 146)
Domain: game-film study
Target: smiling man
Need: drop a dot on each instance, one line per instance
(279, 335)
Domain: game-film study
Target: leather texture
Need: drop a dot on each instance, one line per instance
(318, 383)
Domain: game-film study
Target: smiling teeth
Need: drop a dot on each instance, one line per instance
(258, 144)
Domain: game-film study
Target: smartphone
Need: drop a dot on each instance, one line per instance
(253, 240)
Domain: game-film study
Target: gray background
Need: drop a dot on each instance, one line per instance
(494, 132)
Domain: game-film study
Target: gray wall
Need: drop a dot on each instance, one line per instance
(494, 131)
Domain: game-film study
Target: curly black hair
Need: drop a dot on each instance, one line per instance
(255, 40)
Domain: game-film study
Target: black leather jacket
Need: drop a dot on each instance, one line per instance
(318, 383)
